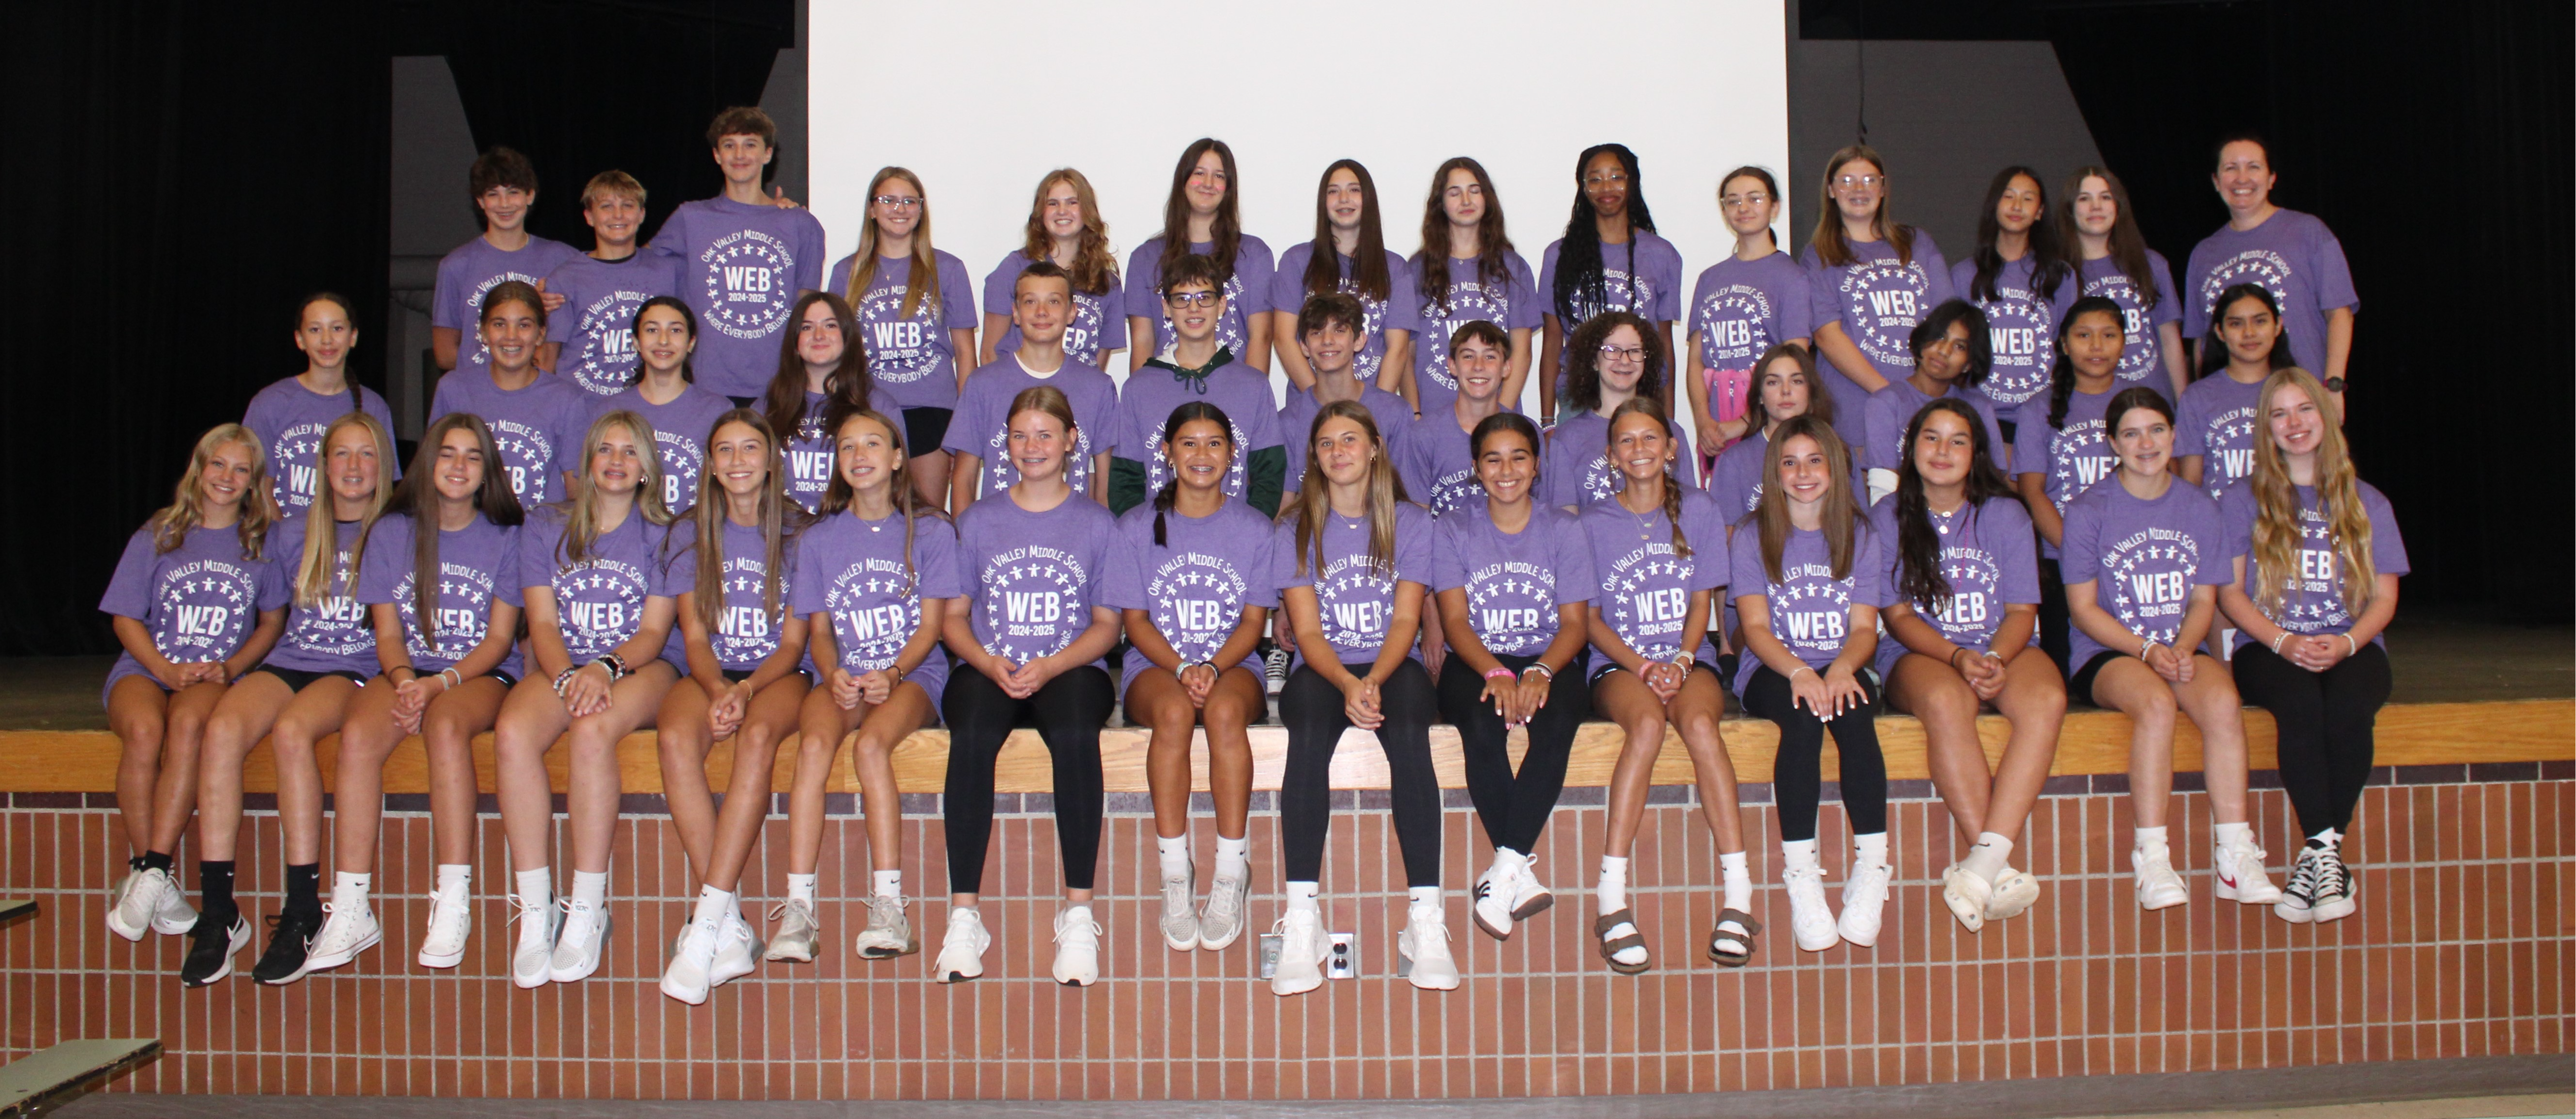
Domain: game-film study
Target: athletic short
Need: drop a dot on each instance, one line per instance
(296, 679)
(2081, 687)
(1606, 667)
(738, 675)
(2006, 428)
(924, 429)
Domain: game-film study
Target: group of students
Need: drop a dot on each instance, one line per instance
(1901, 500)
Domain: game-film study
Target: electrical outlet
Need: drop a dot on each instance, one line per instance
(1343, 961)
(1270, 955)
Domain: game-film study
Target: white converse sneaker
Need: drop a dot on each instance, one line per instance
(149, 900)
(1864, 904)
(1180, 922)
(2236, 874)
(451, 924)
(1492, 910)
(348, 928)
(797, 932)
(1077, 947)
(1968, 896)
(737, 951)
(1302, 950)
(1222, 922)
(1811, 921)
(2336, 895)
(961, 950)
(2158, 886)
(1274, 670)
(1423, 947)
(2015, 892)
(687, 977)
(577, 946)
(889, 932)
(532, 962)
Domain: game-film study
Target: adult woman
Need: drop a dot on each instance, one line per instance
(737, 647)
(2144, 557)
(1348, 257)
(1952, 359)
(1870, 280)
(1616, 357)
(534, 419)
(1514, 659)
(2289, 254)
(197, 600)
(1354, 564)
(822, 378)
(1031, 637)
(1466, 272)
(1806, 573)
(878, 578)
(1741, 306)
(2110, 258)
(1962, 603)
(445, 603)
(291, 414)
(1609, 260)
(916, 313)
(1190, 571)
(1202, 215)
(1437, 458)
(2014, 279)
(2317, 556)
(599, 612)
(1065, 229)
(2061, 453)
(668, 398)
(1649, 622)
(295, 697)
(2214, 438)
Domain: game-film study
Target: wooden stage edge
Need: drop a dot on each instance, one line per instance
(2092, 742)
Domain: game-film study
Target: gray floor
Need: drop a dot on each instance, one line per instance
(2485, 1086)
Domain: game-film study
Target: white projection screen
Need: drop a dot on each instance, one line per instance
(982, 97)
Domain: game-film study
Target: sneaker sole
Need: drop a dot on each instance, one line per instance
(1206, 945)
(1189, 943)
(1478, 917)
(135, 935)
(236, 939)
(2246, 897)
(1286, 991)
(432, 959)
(682, 996)
(1534, 906)
(170, 928)
(607, 928)
(325, 963)
(718, 979)
(2293, 915)
(2333, 911)
(881, 952)
(778, 955)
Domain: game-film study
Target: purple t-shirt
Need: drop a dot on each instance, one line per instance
(1575, 471)
(1737, 481)
(331, 634)
(1434, 461)
(810, 456)
(1148, 398)
(1099, 318)
(292, 419)
(982, 423)
(1810, 609)
(1196, 584)
(1740, 308)
(1988, 559)
(1354, 600)
(538, 429)
(596, 324)
(1891, 409)
(2142, 359)
(744, 633)
(1395, 312)
(2217, 420)
(200, 600)
(1247, 292)
(1031, 579)
(2069, 459)
(912, 361)
(477, 565)
(855, 571)
(1642, 277)
(1516, 304)
(680, 431)
(2295, 257)
(1515, 581)
(599, 602)
(470, 271)
(2021, 327)
(1878, 302)
(741, 267)
(2143, 558)
(1645, 583)
(2312, 599)
(1297, 426)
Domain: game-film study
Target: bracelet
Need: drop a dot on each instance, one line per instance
(445, 673)
(1793, 673)
(2277, 639)
(2149, 643)
(389, 673)
(2351, 648)
(564, 677)
(1540, 667)
(1954, 658)
(1499, 672)
(615, 665)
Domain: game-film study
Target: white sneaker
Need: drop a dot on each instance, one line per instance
(348, 928)
(1864, 904)
(1529, 898)
(150, 900)
(1222, 922)
(961, 951)
(1492, 910)
(1302, 950)
(1077, 947)
(889, 932)
(1424, 948)
(577, 946)
(737, 951)
(532, 962)
(1811, 921)
(2158, 886)
(2336, 895)
(1968, 896)
(2015, 892)
(687, 978)
(1180, 922)
(451, 924)
(2236, 874)
(797, 931)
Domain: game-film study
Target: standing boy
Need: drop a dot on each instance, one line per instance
(742, 259)
(591, 340)
(504, 189)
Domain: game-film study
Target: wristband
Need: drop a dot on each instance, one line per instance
(1499, 672)
(562, 678)
(445, 673)
(1685, 662)
(2351, 648)
(1793, 673)
(2277, 639)
(1954, 658)
(2149, 643)
(389, 673)
(1539, 667)
(615, 665)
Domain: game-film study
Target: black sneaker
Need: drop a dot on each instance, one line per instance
(289, 936)
(210, 950)
(2333, 899)
(1274, 669)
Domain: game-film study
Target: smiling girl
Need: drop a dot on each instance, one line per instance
(1202, 216)
(1871, 280)
(1952, 358)
(533, 418)
(1741, 306)
(667, 396)
(2109, 257)
(1348, 257)
(1065, 229)
(2214, 438)
(1609, 260)
(1615, 357)
(291, 414)
(1466, 271)
(2063, 452)
(822, 379)
(916, 312)
(2016, 280)
(2289, 254)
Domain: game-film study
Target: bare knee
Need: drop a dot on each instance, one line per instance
(1645, 736)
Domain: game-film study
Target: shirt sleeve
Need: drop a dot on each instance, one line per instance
(2333, 283)
(809, 251)
(1745, 577)
(2213, 540)
(1547, 281)
(276, 578)
(1869, 568)
(1122, 583)
(956, 296)
(1448, 566)
(559, 324)
(2387, 544)
(1283, 558)
(129, 590)
(1879, 432)
(2191, 430)
(1258, 268)
(536, 566)
(805, 596)
(998, 285)
(2030, 440)
(1113, 318)
(1706, 531)
(934, 555)
(1288, 284)
(2015, 550)
(965, 422)
(1575, 581)
(680, 571)
(505, 558)
(1141, 278)
(1528, 302)
(2081, 559)
(2195, 315)
(1668, 287)
(447, 301)
(2169, 300)
(1403, 298)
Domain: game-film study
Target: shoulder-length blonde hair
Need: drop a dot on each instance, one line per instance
(314, 570)
(2276, 503)
(1841, 513)
(1314, 502)
(581, 510)
(1094, 269)
(923, 281)
(187, 508)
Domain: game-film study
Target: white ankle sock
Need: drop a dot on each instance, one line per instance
(1870, 850)
(800, 887)
(2230, 835)
(1799, 854)
(1423, 895)
(1739, 880)
(1174, 854)
(590, 886)
(1986, 859)
(2145, 836)
(712, 902)
(536, 887)
(450, 874)
(1234, 858)
(2330, 837)
(1612, 894)
(889, 883)
(344, 882)
(1305, 895)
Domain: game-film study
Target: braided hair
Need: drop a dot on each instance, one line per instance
(1182, 416)
(1647, 406)
(2061, 376)
(1581, 283)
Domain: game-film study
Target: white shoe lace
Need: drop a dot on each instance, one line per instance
(1225, 902)
(885, 915)
(2303, 877)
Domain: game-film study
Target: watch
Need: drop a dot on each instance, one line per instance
(2334, 384)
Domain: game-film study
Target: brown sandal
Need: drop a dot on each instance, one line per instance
(1752, 928)
(1611, 946)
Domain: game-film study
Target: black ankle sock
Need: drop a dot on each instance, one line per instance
(215, 890)
(304, 889)
(134, 862)
(156, 860)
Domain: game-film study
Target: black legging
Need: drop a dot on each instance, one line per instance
(2325, 727)
(1798, 772)
(1312, 708)
(1069, 711)
(2056, 620)
(1514, 808)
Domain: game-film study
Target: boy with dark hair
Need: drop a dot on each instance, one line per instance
(591, 341)
(503, 186)
(742, 258)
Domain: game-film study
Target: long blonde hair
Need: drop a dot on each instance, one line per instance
(1094, 268)
(1841, 513)
(779, 519)
(581, 510)
(1315, 499)
(923, 281)
(840, 495)
(2276, 504)
(314, 570)
(187, 508)
(1832, 247)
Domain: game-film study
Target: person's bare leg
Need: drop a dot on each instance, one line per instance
(2211, 701)
(681, 734)
(1236, 700)
(1631, 706)
(2034, 701)
(2128, 685)
(138, 713)
(755, 751)
(1941, 700)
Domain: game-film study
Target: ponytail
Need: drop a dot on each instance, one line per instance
(1647, 406)
(1185, 414)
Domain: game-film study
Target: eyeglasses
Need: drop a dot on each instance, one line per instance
(1612, 179)
(1753, 198)
(1193, 298)
(1848, 182)
(898, 201)
(1623, 353)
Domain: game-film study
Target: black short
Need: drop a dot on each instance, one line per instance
(2081, 687)
(1606, 667)
(745, 401)
(924, 429)
(296, 679)
(738, 675)
(2006, 428)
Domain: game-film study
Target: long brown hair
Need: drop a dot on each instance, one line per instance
(2047, 259)
(1644, 404)
(1315, 499)
(416, 496)
(2128, 246)
(1368, 257)
(1841, 514)
(845, 388)
(314, 570)
(779, 520)
(1225, 228)
(1493, 245)
(2276, 503)
(581, 510)
(1820, 403)
(1918, 545)
(186, 511)
(838, 496)
(1831, 246)
(1094, 269)
(922, 283)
